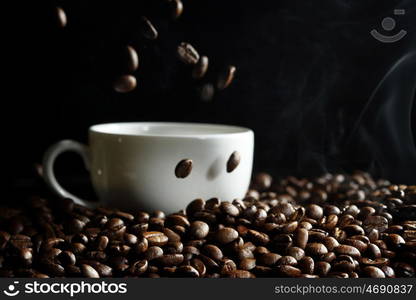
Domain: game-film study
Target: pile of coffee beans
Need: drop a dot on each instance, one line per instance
(343, 226)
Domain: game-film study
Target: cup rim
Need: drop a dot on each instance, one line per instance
(210, 128)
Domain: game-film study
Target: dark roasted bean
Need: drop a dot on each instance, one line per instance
(148, 30)
(233, 161)
(187, 54)
(125, 84)
(200, 68)
(316, 249)
(226, 77)
(227, 235)
(183, 168)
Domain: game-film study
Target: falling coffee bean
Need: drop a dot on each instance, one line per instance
(226, 77)
(206, 92)
(61, 17)
(132, 59)
(200, 68)
(233, 161)
(177, 8)
(148, 30)
(125, 84)
(183, 168)
(187, 54)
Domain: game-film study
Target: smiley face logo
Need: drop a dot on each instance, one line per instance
(11, 290)
(389, 24)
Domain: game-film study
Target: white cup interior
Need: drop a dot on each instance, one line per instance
(167, 129)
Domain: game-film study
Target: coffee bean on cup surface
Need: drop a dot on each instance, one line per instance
(200, 68)
(187, 54)
(183, 168)
(226, 77)
(61, 17)
(148, 30)
(125, 84)
(233, 161)
(132, 59)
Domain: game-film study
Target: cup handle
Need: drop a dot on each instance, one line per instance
(48, 167)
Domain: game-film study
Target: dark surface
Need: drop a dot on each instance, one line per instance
(305, 72)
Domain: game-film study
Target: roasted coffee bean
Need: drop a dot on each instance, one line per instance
(258, 237)
(373, 251)
(102, 269)
(148, 30)
(139, 267)
(89, 271)
(330, 243)
(226, 77)
(322, 268)
(213, 251)
(67, 258)
(173, 247)
(171, 259)
(262, 181)
(247, 264)
(183, 168)
(281, 242)
(316, 249)
(388, 271)
(394, 240)
(206, 92)
(141, 246)
(229, 209)
(374, 272)
(296, 252)
(314, 211)
(101, 242)
(269, 259)
(153, 252)
(243, 253)
(307, 265)
(378, 262)
(177, 9)
(195, 206)
(240, 274)
(227, 235)
(187, 271)
(288, 271)
(347, 250)
(403, 269)
(301, 237)
(61, 17)
(125, 84)
(155, 238)
(187, 54)
(233, 161)
(132, 59)
(200, 68)
(287, 260)
(199, 266)
(172, 235)
(54, 269)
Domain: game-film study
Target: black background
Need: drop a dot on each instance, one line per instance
(305, 72)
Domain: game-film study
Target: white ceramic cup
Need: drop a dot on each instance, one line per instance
(132, 165)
